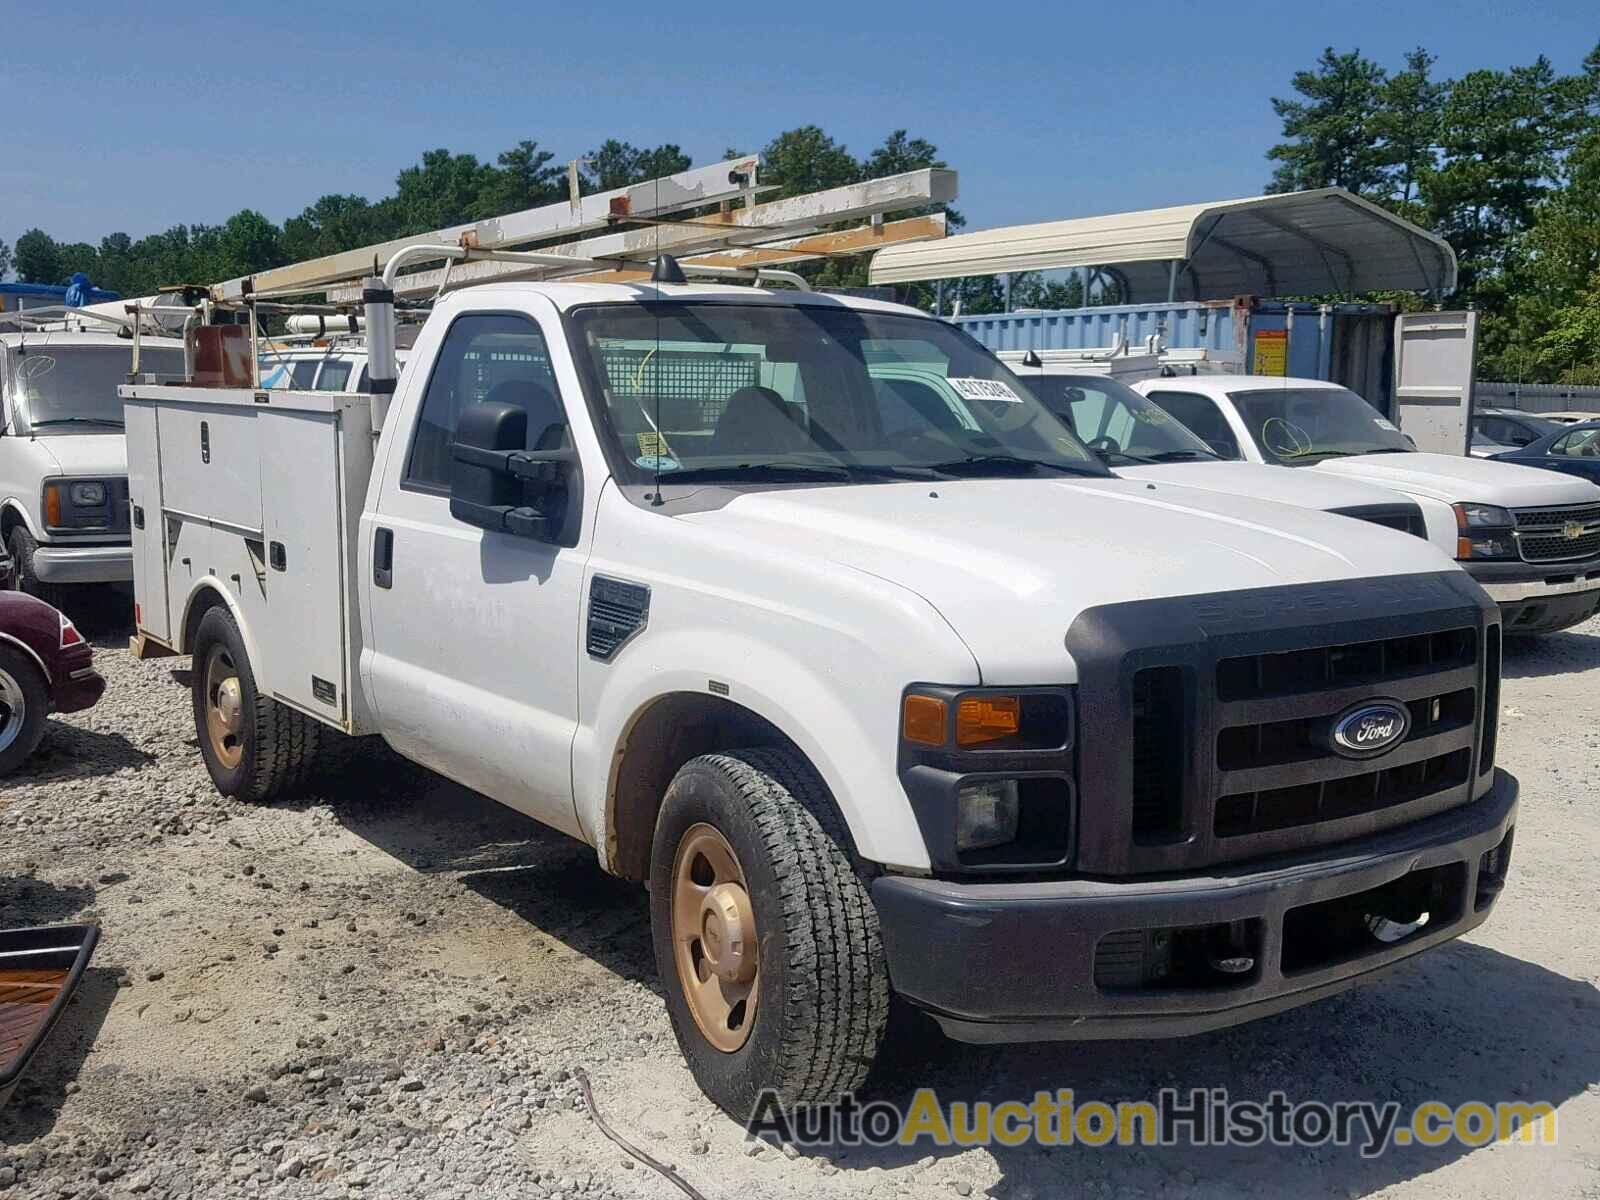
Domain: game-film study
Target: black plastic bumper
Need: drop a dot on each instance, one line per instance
(1004, 962)
(1540, 597)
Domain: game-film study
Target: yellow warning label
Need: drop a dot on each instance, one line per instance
(1272, 352)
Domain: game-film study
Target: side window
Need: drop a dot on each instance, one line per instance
(1202, 416)
(495, 357)
(335, 374)
(303, 374)
(1584, 443)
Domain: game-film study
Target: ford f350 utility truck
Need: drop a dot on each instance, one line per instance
(63, 465)
(875, 706)
(1532, 538)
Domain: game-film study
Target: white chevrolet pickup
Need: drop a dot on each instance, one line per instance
(877, 702)
(1531, 537)
(63, 467)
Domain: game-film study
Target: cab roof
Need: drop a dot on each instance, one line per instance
(568, 296)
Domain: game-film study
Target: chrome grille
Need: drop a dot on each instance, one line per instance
(1558, 534)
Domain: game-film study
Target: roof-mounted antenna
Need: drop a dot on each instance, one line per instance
(667, 270)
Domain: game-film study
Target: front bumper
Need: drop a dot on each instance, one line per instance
(1540, 597)
(84, 564)
(1005, 962)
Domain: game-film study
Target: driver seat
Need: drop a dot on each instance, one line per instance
(758, 420)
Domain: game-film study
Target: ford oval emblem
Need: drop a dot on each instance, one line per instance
(1369, 729)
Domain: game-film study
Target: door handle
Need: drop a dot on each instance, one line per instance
(383, 557)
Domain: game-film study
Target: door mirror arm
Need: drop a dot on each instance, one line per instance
(492, 475)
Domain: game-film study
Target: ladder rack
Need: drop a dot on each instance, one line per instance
(646, 220)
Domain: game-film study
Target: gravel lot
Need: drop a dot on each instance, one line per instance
(382, 990)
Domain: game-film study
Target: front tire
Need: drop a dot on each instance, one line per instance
(765, 936)
(24, 699)
(254, 748)
(22, 545)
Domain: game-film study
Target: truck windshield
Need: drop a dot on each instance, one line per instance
(1296, 426)
(73, 389)
(769, 393)
(1118, 423)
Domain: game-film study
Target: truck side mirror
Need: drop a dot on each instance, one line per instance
(495, 483)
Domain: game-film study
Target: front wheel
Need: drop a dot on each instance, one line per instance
(765, 937)
(23, 701)
(254, 747)
(22, 545)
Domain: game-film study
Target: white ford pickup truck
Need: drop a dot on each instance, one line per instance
(63, 467)
(1531, 537)
(876, 704)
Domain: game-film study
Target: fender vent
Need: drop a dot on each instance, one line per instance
(617, 611)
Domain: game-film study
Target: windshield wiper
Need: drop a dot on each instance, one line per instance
(79, 421)
(1182, 455)
(1140, 460)
(983, 461)
(790, 470)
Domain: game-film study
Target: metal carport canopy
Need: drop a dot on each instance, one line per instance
(1308, 243)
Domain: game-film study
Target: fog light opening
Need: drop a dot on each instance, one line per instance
(1387, 930)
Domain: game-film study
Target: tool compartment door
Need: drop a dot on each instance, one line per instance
(1435, 355)
(149, 528)
(303, 530)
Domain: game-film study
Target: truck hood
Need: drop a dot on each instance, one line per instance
(1281, 484)
(1453, 478)
(1010, 563)
(92, 455)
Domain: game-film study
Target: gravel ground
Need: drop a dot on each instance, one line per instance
(383, 989)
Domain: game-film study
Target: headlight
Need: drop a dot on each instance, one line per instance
(87, 495)
(1483, 516)
(1484, 531)
(987, 814)
(989, 773)
(983, 721)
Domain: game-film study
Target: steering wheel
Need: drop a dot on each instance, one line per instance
(1285, 438)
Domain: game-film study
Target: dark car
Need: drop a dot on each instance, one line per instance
(1574, 449)
(45, 665)
(1512, 428)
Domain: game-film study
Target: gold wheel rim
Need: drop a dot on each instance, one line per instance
(224, 707)
(714, 938)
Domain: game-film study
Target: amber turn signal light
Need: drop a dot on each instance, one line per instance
(922, 720)
(52, 504)
(982, 719)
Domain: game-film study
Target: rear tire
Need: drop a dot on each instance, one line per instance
(820, 995)
(254, 748)
(23, 579)
(24, 699)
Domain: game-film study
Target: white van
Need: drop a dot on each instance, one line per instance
(64, 514)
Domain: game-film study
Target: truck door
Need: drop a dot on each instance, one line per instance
(1435, 356)
(474, 638)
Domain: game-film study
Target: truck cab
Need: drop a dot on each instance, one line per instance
(64, 514)
(1530, 537)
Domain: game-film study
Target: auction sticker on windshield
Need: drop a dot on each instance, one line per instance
(984, 389)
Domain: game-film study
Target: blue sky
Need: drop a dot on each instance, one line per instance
(1048, 111)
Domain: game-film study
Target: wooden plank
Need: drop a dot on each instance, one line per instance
(863, 239)
(25, 1000)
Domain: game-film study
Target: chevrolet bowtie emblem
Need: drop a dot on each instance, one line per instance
(1572, 530)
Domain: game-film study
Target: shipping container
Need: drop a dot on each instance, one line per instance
(1349, 344)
